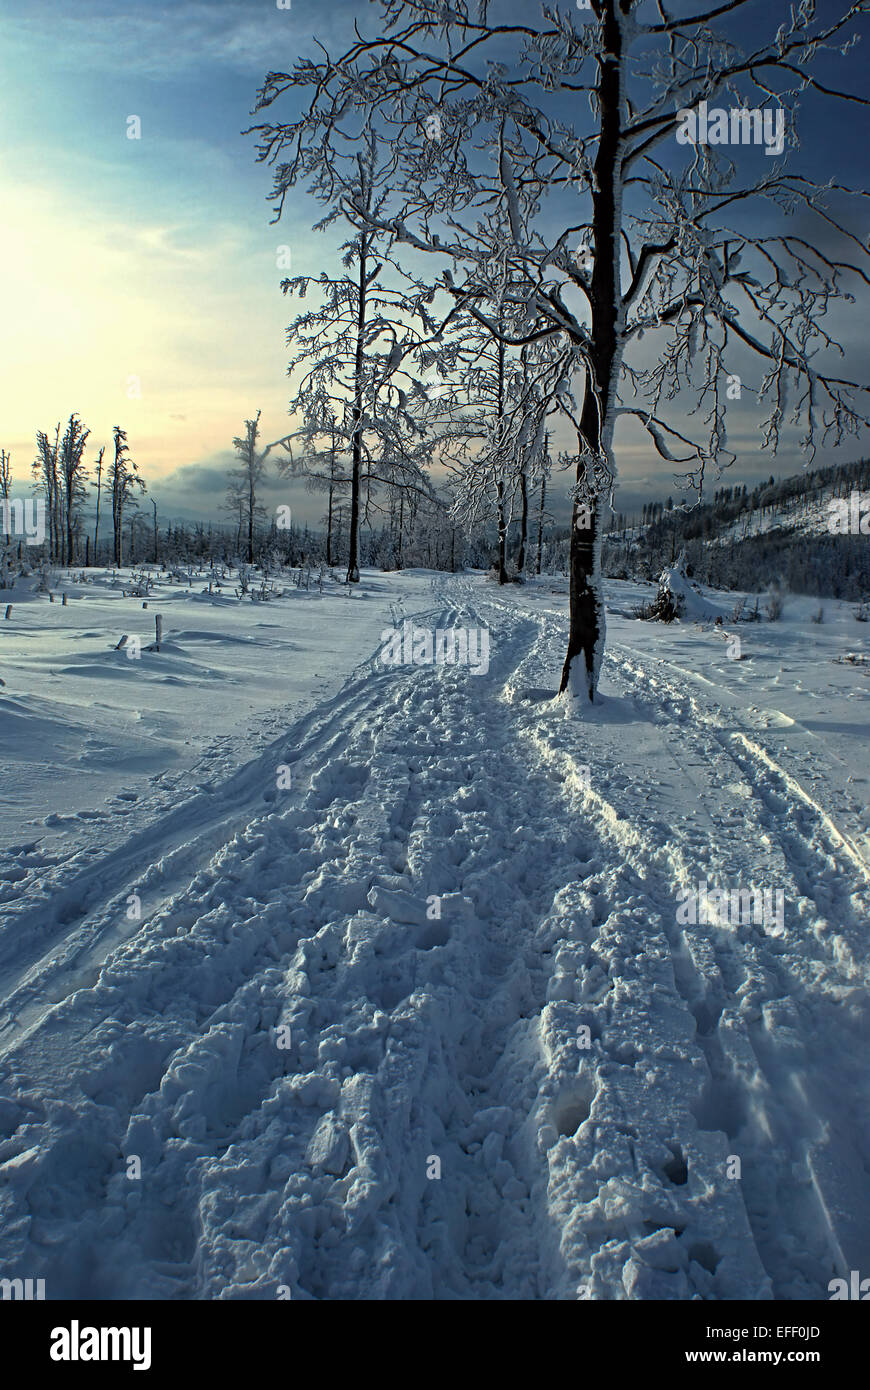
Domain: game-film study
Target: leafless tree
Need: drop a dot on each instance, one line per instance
(355, 354)
(72, 475)
(5, 478)
(666, 241)
(99, 473)
(123, 482)
(247, 477)
(45, 477)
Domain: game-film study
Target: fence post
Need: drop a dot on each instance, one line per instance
(158, 628)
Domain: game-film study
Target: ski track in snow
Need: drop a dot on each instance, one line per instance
(567, 1171)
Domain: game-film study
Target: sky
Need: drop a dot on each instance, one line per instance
(139, 280)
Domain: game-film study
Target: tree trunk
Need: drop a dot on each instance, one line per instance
(56, 534)
(587, 621)
(502, 524)
(502, 536)
(541, 522)
(329, 559)
(524, 522)
(353, 547)
(99, 492)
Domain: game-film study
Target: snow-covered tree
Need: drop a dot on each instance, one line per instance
(98, 469)
(246, 480)
(321, 468)
(123, 483)
(497, 439)
(545, 467)
(244, 484)
(621, 226)
(46, 481)
(72, 474)
(5, 477)
(358, 357)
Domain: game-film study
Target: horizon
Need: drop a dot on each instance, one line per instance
(142, 279)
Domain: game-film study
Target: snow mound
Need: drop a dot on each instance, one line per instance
(688, 601)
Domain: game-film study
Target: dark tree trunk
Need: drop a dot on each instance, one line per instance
(353, 546)
(587, 620)
(524, 522)
(502, 523)
(502, 536)
(99, 493)
(329, 559)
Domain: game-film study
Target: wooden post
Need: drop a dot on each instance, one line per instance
(158, 628)
(8, 610)
(63, 601)
(121, 643)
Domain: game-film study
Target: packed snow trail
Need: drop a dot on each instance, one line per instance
(579, 1069)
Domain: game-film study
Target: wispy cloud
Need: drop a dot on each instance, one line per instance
(164, 41)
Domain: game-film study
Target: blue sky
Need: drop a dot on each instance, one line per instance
(150, 264)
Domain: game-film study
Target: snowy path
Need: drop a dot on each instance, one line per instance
(567, 1170)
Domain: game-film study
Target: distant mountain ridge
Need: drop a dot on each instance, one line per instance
(779, 532)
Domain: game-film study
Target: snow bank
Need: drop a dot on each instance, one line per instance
(689, 602)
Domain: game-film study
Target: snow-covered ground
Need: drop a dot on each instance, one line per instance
(430, 1021)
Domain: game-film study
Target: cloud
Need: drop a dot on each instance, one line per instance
(163, 41)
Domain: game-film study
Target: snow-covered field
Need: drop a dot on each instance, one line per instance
(430, 1021)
